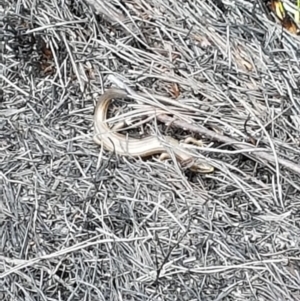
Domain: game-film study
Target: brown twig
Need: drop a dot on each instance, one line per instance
(224, 139)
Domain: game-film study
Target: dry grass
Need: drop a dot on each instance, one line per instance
(80, 223)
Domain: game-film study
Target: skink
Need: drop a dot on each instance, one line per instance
(143, 147)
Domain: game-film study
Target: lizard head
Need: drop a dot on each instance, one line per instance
(197, 166)
(201, 167)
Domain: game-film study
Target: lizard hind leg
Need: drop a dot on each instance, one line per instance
(164, 156)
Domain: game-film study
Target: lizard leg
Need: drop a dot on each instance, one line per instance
(164, 156)
(194, 141)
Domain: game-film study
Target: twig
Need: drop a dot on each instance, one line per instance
(221, 138)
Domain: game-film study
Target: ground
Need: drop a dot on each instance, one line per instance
(78, 222)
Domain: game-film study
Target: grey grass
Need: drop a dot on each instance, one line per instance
(80, 223)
